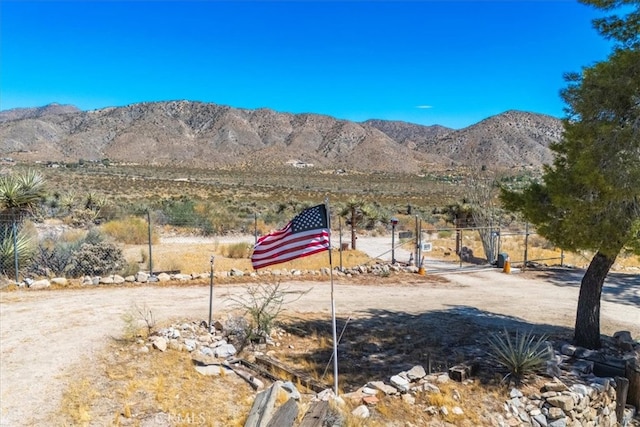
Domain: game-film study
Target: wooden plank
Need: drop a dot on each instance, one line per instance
(299, 376)
(316, 414)
(254, 382)
(632, 373)
(285, 415)
(622, 387)
(255, 368)
(263, 407)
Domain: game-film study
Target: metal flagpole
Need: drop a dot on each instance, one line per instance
(333, 308)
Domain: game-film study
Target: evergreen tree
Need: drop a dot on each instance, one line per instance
(589, 199)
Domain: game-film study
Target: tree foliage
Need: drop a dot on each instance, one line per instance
(623, 28)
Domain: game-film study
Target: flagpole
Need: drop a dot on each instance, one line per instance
(333, 308)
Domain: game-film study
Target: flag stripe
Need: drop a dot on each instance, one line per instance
(304, 235)
(290, 250)
(284, 258)
(291, 247)
(291, 240)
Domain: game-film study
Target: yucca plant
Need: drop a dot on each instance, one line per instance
(22, 246)
(521, 355)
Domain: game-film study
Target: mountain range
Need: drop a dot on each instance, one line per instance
(197, 134)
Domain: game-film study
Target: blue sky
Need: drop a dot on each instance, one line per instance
(451, 63)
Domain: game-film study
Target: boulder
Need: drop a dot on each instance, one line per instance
(40, 284)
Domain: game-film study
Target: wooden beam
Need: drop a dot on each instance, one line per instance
(316, 414)
(263, 407)
(301, 377)
(622, 387)
(632, 373)
(286, 415)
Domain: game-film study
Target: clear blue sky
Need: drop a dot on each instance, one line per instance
(451, 63)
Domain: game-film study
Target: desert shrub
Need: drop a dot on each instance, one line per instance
(56, 254)
(445, 234)
(521, 355)
(236, 250)
(97, 259)
(263, 303)
(537, 241)
(180, 213)
(53, 256)
(130, 230)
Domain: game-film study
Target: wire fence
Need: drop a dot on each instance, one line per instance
(127, 245)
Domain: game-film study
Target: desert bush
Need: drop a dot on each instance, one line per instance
(537, 241)
(236, 250)
(97, 259)
(138, 319)
(53, 256)
(445, 234)
(521, 355)
(130, 230)
(263, 303)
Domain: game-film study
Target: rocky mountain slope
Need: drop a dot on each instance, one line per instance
(209, 135)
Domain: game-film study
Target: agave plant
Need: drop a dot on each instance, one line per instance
(522, 355)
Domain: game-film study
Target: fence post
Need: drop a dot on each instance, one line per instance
(15, 248)
(149, 232)
(255, 227)
(417, 258)
(460, 245)
(526, 245)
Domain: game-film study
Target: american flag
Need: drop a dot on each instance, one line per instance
(304, 235)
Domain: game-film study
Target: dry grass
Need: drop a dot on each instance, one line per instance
(132, 387)
(196, 258)
(129, 387)
(130, 231)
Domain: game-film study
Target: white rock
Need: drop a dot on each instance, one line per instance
(361, 412)
(224, 351)
(61, 281)
(160, 343)
(408, 399)
(400, 383)
(416, 373)
(40, 284)
(208, 370)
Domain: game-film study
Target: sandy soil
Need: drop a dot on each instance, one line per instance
(44, 335)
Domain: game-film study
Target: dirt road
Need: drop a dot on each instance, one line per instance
(44, 334)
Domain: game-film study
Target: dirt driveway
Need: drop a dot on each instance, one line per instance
(45, 334)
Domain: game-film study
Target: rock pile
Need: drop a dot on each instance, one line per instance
(144, 277)
(577, 396)
(205, 344)
(574, 396)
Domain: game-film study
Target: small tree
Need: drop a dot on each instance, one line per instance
(482, 197)
(360, 214)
